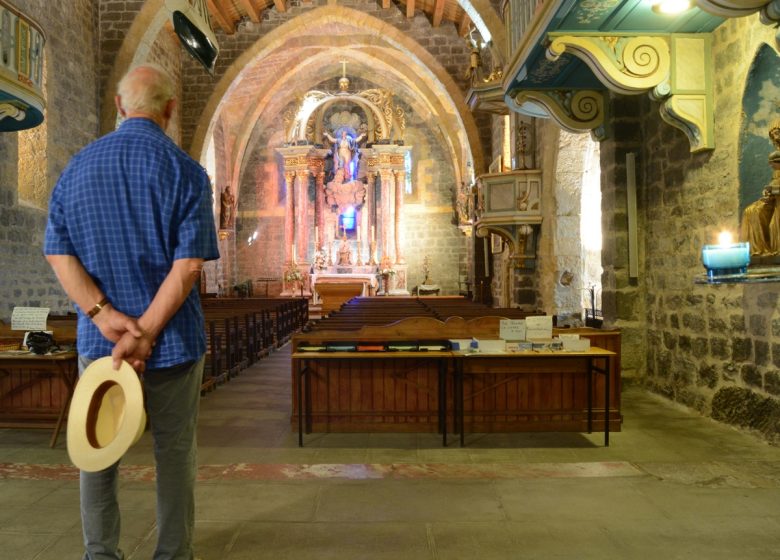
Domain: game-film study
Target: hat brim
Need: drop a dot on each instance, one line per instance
(86, 446)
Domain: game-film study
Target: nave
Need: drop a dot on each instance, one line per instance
(671, 485)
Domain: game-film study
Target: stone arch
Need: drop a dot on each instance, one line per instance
(376, 34)
(135, 47)
(273, 93)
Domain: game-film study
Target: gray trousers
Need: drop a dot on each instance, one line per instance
(172, 398)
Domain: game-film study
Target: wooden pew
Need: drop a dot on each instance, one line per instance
(382, 391)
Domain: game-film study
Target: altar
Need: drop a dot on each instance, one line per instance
(331, 290)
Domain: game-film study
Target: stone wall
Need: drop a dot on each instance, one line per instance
(71, 122)
(167, 53)
(546, 156)
(714, 348)
(622, 303)
(114, 21)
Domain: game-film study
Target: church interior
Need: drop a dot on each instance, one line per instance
(613, 165)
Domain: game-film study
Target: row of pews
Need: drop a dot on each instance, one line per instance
(240, 331)
(361, 311)
(352, 372)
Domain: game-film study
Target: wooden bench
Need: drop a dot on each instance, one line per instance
(379, 391)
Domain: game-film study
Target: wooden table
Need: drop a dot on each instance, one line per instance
(23, 375)
(303, 367)
(531, 363)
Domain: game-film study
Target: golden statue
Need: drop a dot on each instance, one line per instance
(761, 219)
(756, 219)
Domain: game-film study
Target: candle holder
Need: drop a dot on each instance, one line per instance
(358, 256)
(372, 253)
(726, 260)
(330, 255)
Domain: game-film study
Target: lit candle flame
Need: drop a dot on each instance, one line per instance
(725, 238)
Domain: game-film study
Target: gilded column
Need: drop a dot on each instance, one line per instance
(301, 215)
(386, 176)
(371, 217)
(319, 201)
(400, 185)
(289, 216)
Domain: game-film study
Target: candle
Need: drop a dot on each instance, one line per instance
(316, 236)
(373, 234)
(358, 233)
(726, 258)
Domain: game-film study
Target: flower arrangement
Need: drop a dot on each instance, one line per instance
(319, 260)
(385, 267)
(293, 275)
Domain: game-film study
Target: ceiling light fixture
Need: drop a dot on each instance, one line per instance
(671, 7)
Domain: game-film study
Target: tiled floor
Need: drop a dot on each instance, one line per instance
(671, 485)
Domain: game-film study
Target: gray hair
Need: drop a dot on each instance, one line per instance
(146, 88)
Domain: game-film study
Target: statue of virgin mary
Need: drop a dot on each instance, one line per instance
(344, 154)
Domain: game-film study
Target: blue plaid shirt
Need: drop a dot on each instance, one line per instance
(127, 206)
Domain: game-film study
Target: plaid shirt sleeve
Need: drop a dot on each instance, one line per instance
(57, 240)
(197, 235)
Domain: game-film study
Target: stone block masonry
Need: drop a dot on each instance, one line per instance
(71, 122)
(713, 348)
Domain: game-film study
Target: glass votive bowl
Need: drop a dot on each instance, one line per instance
(723, 260)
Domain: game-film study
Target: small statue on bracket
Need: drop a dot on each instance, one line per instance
(227, 205)
(761, 219)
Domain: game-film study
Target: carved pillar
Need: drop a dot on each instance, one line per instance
(371, 217)
(319, 209)
(301, 214)
(289, 215)
(386, 176)
(400, 186)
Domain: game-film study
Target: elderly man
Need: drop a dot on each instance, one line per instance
(130, 224)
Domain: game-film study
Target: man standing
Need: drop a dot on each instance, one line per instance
(130, 224)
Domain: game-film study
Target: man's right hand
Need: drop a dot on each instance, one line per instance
(135, 350)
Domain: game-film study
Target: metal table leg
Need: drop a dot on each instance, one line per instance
(590, 395)
(299, 372)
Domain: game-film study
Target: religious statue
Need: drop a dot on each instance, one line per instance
(345, 253)
(475, 58)
(226, 214)
(463, 205)
(756, 219)
(344, 152)
(761, 219)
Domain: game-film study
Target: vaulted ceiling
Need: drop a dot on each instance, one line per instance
(228, 14)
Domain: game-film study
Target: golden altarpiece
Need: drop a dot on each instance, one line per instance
(346, 170)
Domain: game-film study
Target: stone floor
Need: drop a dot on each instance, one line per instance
(671, 485)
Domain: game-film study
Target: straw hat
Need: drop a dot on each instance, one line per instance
(106, 415)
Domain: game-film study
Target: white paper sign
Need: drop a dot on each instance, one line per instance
(29, 318)
(512, 329)
(539, 327)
